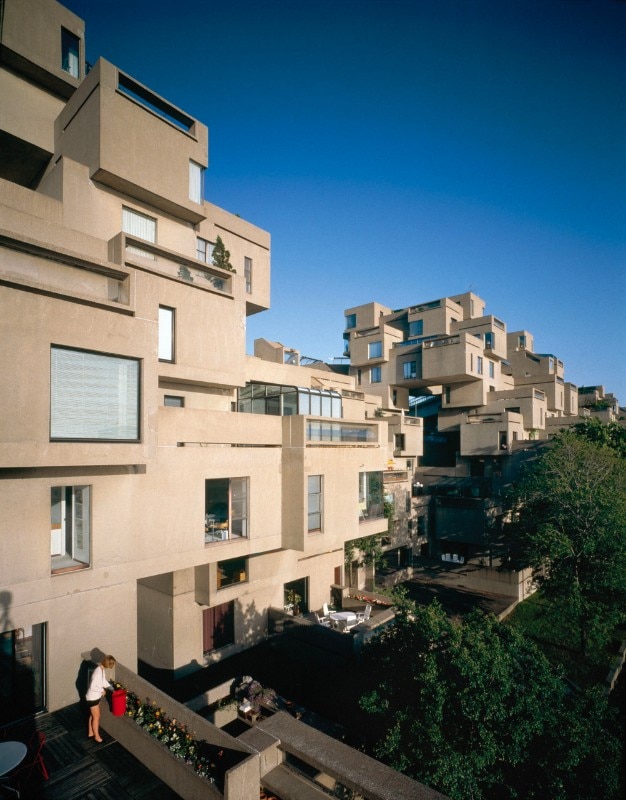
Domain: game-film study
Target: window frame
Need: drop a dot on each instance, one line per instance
(67, 55)
(196, 182)
(236, 572)
(375, 349)
(315, 503)
(71, 410)
(237, 501)
(167, 323)
(70, 554)
(247, 273)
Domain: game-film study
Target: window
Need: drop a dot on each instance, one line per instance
(218, 627)
(70, 49)
(416, 327)
(521, 342)
(489, 341)
(247, 273)
(225, 509)
(370, 495)
(359, 376)
(93, 396)
(166, 333)
(421, 525)
(479, 365)
(409, 369)
(346, 344)
(375, 375)
(140, 226)
(23, 685)
(196, 182)
(204, 250)
(503, 440)
(399, 441)
(175, 401)
(235, 570)
(350, 321)
(375, 350)
(446, 395)
(69, 527)
(315, 503)
(492, 369)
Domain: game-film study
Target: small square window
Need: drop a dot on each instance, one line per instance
(174, 401)
(235, 570)
(204, 250)
(350, 321)
(375, 350)
(416, 327)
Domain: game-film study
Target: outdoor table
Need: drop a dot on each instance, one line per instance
(346, 617)
(11, 754)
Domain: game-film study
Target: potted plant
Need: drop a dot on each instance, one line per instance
(292, 601)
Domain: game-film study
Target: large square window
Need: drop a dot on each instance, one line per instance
(70, 50)
(225, 509)
(70, 527)
(93, 396)
(235, 570)
(315, 497)
(218, 627)
(375, 350)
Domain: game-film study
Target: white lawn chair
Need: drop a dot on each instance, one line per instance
(321, 620)
(363, 616)
(325, 610)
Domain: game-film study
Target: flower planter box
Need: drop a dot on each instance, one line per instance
(238, 778)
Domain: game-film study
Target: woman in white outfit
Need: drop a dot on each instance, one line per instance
(97, 686)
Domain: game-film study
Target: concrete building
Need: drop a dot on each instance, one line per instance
(160, 489)
(482, 396)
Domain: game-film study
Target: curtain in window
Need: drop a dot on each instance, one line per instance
(195, 182)
(139, 225)
(93, 396)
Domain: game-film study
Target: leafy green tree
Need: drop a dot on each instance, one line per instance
(612, 434)
(571, 528)
(221, 256)
(472, 709)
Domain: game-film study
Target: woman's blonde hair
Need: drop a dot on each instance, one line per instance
(108, 662)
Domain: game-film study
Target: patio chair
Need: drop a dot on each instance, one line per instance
(322, 621)
(363, 616)
(325, 610)
(34, 759)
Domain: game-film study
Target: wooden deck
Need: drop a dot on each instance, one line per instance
(79, 768)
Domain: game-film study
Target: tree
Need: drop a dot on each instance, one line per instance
(221, 256)
(471, 708)
(570, 509)
(611, 434)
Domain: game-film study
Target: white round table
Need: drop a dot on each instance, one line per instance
(343, 618)
(11, 754)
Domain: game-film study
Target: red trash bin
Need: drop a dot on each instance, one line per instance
(118, 702)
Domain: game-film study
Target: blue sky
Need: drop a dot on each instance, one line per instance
(401, 151)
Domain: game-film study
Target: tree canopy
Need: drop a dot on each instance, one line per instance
(570, 526)
(471, 708)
